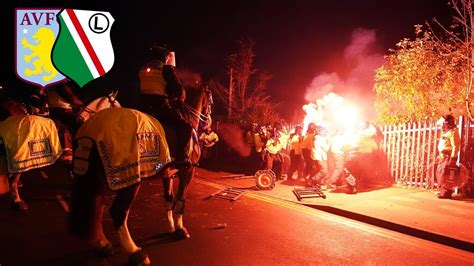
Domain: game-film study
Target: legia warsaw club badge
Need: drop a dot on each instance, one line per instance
(36, 32)
(83, 50)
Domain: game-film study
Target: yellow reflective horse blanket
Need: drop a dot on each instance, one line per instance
(131, 146)
(30, 142)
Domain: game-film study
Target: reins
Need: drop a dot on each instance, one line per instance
(198, 115)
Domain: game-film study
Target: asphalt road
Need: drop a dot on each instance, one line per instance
(259, 231)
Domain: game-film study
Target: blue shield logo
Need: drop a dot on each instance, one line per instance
(36, 32)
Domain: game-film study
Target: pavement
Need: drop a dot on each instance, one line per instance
(411, 211)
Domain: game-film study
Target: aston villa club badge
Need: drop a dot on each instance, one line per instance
(36, 32)
(83, 50)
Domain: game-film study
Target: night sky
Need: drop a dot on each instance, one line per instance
(295, 40)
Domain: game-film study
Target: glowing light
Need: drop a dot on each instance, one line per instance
(148, 69)
(339, 116)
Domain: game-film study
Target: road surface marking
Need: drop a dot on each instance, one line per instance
(63, 203)
(428, 245)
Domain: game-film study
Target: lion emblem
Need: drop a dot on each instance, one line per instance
(44, 39)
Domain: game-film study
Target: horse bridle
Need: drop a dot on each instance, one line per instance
(112, 100)
(205, 118)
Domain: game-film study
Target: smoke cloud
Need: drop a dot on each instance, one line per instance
(359, 82)
(233, 136)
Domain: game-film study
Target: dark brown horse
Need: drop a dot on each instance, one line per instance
(89, 189)
(197, 112)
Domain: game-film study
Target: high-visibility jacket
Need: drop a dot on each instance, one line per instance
(296, 143)
(449, 143)
(152, 80)
(284, 139)
(161, 79)
(273, 146)
(209, 139)
(308, 141)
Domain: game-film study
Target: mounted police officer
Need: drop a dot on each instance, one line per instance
(162, 96)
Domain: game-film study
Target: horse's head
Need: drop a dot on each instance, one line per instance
(99, 104)
(111, 101)
(199, 105)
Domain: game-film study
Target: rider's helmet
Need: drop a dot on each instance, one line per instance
(161, 53)
(158, 52)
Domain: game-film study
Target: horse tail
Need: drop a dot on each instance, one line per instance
(86, 198)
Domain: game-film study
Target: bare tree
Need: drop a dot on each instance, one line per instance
(248, 97)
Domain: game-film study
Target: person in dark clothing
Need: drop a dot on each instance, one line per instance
(162, 96)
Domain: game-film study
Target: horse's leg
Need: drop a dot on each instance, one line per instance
(185, 177)
(103, 247)
(87, 206)
(119, 212)
(169, 202)
(17, 202)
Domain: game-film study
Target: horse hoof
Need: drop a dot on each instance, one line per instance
(181, 233)
(19, 206)
(104, 251)
(138, 258)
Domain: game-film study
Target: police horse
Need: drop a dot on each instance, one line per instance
(101, 165)
(32, 142)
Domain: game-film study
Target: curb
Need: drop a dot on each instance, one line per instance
(419, 233)
(426, 235)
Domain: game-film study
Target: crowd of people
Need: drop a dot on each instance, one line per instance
(314, 157)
